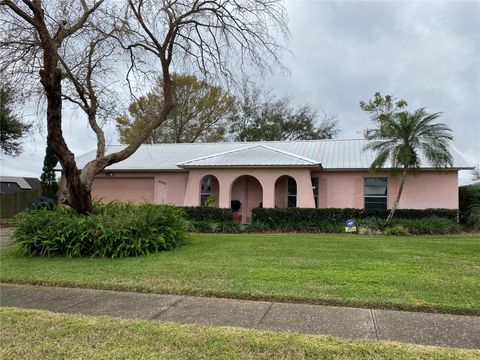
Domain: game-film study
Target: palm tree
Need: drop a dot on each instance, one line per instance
(402, 138)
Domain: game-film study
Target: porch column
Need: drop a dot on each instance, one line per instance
(224, 193)
(192, 191)
(268, 193)
(305, 197)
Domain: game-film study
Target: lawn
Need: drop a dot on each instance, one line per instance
(418, 273)
(27, 334)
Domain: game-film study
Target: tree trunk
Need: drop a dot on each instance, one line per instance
(78, 194)
(397, 200)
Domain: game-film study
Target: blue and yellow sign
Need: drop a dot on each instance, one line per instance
(350, 226)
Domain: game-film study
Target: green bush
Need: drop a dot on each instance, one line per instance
(112, 230)
(426, 226)
(205, 213)
(213, 227)
(474, 218)
(469, 200)
(256, 228)
(367, 226)
(274, 217)
(430, 226)
(396, 230)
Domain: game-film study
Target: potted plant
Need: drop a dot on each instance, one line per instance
(236, 216)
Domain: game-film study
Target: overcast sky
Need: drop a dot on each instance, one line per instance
(426, 52)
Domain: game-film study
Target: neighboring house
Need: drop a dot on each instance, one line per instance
(318, 173)
(16, 193)
(13, 184)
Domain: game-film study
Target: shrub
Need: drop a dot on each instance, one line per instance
(332, 221)
(204, 213)
(112, 230)
(364, 230)
(374, 225)
(275, 217)
(423, 226)
(256, 228)
(210, 201)
(474, 218)
(469, 199)
(395, 230)
(431, 226)
(212, 227)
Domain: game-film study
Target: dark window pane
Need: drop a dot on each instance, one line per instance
(206, 185)
(292, 201)
(315, 186)
(376, 203)
(315, 190)
(292, 186)
(206, 189)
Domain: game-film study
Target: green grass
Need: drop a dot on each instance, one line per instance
(31, 334)
(437, 273)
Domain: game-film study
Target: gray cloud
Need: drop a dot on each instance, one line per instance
(427, 52)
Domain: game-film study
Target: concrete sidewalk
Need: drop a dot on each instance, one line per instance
(351, 323)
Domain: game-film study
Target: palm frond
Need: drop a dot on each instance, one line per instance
(404, 137)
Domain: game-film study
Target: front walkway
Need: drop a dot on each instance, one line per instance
(351, 323)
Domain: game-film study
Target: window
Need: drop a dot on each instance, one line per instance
(315, 190)
(206, 189)
(375, 193)
(291, 192)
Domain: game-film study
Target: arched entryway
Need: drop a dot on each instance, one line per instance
(209, 191)
(248, 190)
(285, 192)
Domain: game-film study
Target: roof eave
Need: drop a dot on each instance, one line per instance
(249, 166)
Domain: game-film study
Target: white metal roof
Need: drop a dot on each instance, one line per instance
(254, 155)
(331, 154)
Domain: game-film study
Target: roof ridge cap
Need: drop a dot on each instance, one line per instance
(217, 154)
(291, 154)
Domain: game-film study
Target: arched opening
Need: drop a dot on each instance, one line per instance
(285, 192)
(209, 190)
(248, 190)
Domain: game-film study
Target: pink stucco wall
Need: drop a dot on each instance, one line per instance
(133, 189)
(428, 189)
(165, 187)
(337, 189)
(265, 176)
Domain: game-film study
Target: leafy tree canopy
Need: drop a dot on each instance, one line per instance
(201, 113)
(263, 119)
(12, 128)
(381, 107)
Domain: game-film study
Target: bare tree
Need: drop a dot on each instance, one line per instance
(31, 42)
(65, 42)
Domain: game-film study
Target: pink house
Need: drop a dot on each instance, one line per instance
(319, 173)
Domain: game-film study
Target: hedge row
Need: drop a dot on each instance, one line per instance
(422, 226)
(469, 206)
(369, 226)
(205, 213)
(280, 217)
